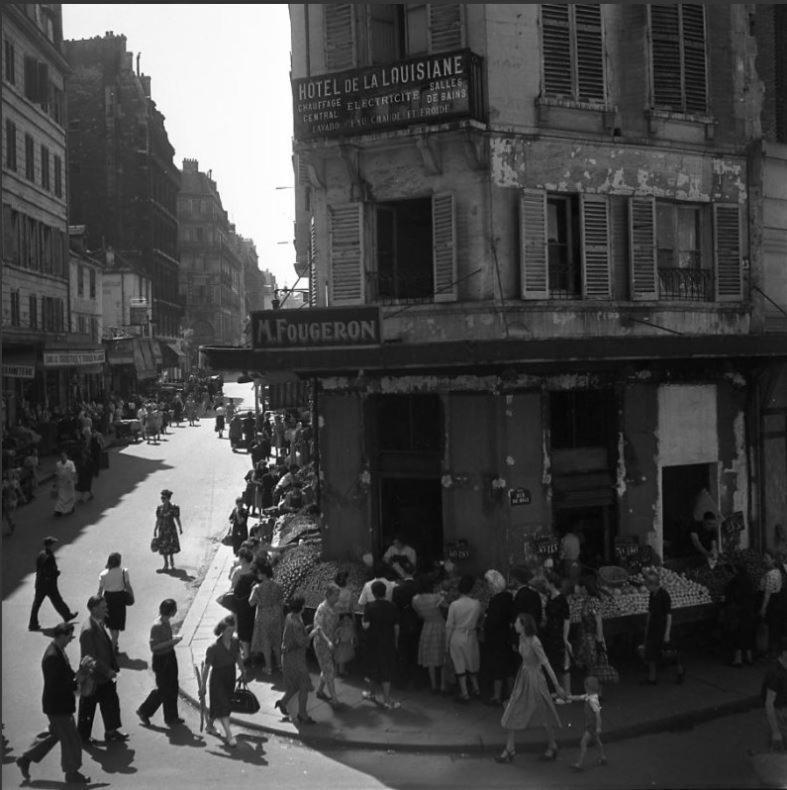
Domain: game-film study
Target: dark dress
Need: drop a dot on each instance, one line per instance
(382, 616)
(557, 611)
(740, 612)
(167, 529)
(222, 676)
(659, 606)
(244, 613)
(497, 649)
(85, 472)
(240, 531)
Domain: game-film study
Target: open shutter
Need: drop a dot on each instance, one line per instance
(596, 280)
(534, 253)
(695, 79)
(313, 263)
(665, 56)
(642, 238)
(347, 258)
(727, 252)
(446, 28)
(444, 247)
(339, 28)
(556, 46)
(590, 53)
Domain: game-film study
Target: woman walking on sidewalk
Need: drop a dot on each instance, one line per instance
(267, 598)
(113, 582)
(326, 620)
(66, 475)
(297, 680)
(166, 529)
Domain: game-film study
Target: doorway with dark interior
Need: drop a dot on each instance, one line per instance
(594, 526)
(413, 508)
(680, 487)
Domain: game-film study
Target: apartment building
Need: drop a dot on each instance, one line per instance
(532, 257)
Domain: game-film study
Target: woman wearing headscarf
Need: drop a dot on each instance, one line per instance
(498, 649)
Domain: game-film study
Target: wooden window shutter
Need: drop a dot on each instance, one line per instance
(339, 28)
(727, 252)
(42, 83)
(642, 238)
(695, 79)
(665, 56)
(347, 254)
(446, 27)
(313, 262)
(596, 280)
(590, 52)
(31, 78)
(444, 247)
(556, 45)
(534, 252)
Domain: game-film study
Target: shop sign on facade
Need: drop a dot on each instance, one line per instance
(19, 371)
(414, 91)
(519, 496)
(67, 359)
(316, 327)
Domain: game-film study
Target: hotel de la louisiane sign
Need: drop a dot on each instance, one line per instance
(419, 90)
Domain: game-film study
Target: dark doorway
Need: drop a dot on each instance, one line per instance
(593, 525)
(413, 507)
(680, 487)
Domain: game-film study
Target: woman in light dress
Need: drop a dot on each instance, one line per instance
(461, 635)
(65, 478)
(112, 584)
(530, 704)
(326, 621)
(431, 642)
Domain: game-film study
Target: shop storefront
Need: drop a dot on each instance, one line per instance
(133, 362)
(73, 376)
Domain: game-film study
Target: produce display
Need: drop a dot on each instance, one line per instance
(294, 566)
(313, 585)
(292, 528)
(632, 596)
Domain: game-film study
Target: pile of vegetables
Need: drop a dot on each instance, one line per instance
(313, 586)
(294, 566)
(293, 528)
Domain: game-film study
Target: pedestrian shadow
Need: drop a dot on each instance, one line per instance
(117, 758)
(134, 664)
(43, 784)
(180, 573)
(249, 750)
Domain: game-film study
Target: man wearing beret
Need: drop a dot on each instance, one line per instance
(59, 705)
(46, 585)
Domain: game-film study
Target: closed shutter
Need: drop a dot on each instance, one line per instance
(556, 44)
(665, 56)
(42, 86)
(446, 28)
(727, 252)
(313, 263)
(347, 258)
(31, 78)
(596, 281)
(339, 27)
(444, 247)
(590, 53)
(642, 238)
(534, 255)
(695, 79)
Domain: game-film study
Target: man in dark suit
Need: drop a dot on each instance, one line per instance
(46, 585)
(59, 705)
(94, 641)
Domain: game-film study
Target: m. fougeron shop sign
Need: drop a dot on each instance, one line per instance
(315, 327)
(434, 87)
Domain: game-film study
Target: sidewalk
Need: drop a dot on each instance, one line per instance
(429, 723)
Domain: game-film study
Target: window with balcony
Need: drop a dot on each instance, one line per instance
(679, 81)
(410, 256)
(572, 48)
(10, 145)
(684, 271)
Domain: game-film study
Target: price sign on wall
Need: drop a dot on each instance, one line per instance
(519, 496)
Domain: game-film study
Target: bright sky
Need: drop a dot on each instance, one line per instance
(220, 74)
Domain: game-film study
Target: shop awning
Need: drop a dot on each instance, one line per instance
(494, 354)
(171, 356)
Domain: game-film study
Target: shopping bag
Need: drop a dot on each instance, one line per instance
(228, 601)
(602, 669)
(243, 700)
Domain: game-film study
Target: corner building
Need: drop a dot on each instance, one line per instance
(549, 207)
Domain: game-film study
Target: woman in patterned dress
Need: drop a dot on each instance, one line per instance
(326, 620)
(346, 637)
(591, 629)
(431, 643)
(267, 598)
(166, 529)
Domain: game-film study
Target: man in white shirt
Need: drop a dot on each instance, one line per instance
(397, 551)
(366, 595)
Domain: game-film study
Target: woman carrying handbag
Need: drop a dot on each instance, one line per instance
(115, 587)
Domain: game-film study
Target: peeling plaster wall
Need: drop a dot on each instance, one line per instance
(733, 456)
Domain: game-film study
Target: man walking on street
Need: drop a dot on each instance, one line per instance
(165, 667)
(46, 585)
(94, 641)
(59, 706)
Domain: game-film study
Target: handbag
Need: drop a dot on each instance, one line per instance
(243, 700)
(154, 544)
(227, 539)
(602, 669)
(228, 601)
(128, 592)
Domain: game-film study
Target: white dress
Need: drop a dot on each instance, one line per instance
(66, 474)
(461, 625)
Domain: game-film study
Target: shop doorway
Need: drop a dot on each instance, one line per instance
(594, 526)
(680, 487)
(413, 507)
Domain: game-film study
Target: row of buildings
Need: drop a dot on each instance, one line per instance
(547, 254)
(116, 264)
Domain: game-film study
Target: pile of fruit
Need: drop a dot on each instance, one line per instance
(292, 528)
(314, 584)
(294, 566)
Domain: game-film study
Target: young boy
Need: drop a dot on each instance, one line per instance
(592, 731)
(381, 621)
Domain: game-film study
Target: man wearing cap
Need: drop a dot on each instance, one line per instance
(95, 642)
(59, 705)
(46, 585)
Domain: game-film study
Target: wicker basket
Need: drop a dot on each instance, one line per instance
(613, 575)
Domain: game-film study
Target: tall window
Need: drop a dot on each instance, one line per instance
(30, 161)
(684, 272)
(678, 60)
(36, 80)
(9, 61)
(92, 274)
(45, 167)
(33, 311)
(564, 246)
(573, 51)
(580, 418)
(80, 281)
(58, 176)
(10, 145)
(15, 308)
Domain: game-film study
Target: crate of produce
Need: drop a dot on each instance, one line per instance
(613, 575)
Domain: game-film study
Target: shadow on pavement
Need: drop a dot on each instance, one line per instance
(20, 549)
(134, 664)
(181, 574)
(114, 759)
